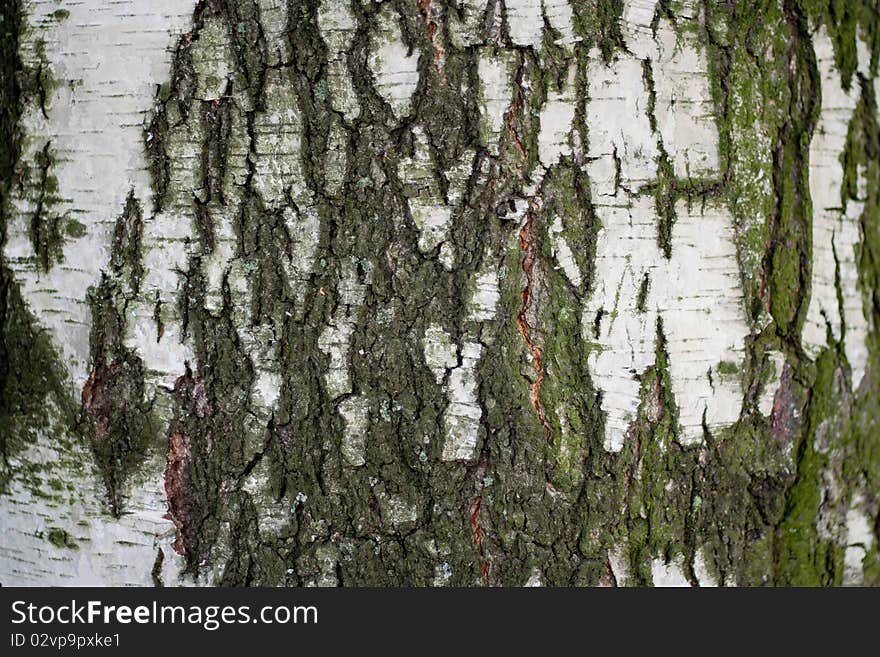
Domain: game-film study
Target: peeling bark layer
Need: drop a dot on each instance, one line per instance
(529, 292)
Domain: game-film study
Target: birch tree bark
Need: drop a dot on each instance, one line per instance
(477, 292)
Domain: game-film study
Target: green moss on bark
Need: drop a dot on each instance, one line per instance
(265, 496)
(31, 375)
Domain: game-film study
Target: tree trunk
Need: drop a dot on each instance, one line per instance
(486, 292)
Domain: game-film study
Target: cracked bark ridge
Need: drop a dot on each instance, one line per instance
(480, 293)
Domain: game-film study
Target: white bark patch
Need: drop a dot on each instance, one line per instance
(395, 69)
(337, 26)
(165, 250)
(697, 295)
(461, 419)
(636, 26)
(534, 580)
(464, 24)
(863, 58)
(396, 510)
(278, 141)
(267, 386)
(356, 413)
(217, 262)
(110, 102)
(560, 16)
(442, 574)
(684, 109)
(336, 336)
(212, 59)
(859, 539)
(225, 239)
(835, 229)
(525, 22)
(771, 385)
(440, 351)
(563, 254)
(56, 530)
(697, 292)
(335, 159)
(164, 253)
(458, 174)
(619, 564)
(106, 81)
(626, 251)
(431, 215)
(303, 230)
(617, 116)
(274, 24)
(484, 301)
(701, 570)
(557, 116)
(495, 70)
(257, 340)
(168, 237)
(705, 326)
(847, 242)
(184, 149)
(668, 574)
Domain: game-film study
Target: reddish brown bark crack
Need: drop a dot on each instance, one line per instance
(476, 524)
(527, 243)
(97, 400)
(178, 464)
(431, 25)
(176, 480)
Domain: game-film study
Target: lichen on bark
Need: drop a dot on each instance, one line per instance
(476, 293)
